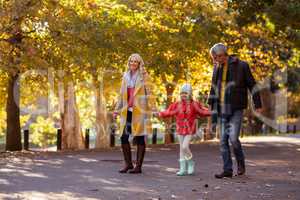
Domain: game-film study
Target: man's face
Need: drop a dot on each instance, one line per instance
(220, 58)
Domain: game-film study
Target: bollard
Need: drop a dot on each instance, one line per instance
(58, 139)
(87, 138)
(172, 138)
(154, 136)
(112, 137)
(26, 140)
(173, 130)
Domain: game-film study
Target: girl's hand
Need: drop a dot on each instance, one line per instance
(155, 114)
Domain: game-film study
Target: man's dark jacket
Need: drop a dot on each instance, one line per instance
(239, 80)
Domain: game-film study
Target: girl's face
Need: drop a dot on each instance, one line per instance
(184, 96)
(133, 64)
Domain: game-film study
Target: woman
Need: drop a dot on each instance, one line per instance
(134, 107)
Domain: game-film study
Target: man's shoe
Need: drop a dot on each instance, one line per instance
(241, 168)
(224, 175)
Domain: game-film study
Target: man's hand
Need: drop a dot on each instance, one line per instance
(259, 110)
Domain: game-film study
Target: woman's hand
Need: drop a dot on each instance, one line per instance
(144, 72)
(115, 115)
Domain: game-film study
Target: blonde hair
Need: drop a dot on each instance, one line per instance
(138, 57)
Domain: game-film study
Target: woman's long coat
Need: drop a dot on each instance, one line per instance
(142, 107)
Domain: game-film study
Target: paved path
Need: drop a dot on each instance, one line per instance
(273, 172)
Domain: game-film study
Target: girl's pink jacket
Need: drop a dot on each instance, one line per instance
(185, 114)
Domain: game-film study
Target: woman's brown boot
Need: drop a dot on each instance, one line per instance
(127, 158)
(141, 149)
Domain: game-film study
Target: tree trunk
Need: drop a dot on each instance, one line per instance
(102, 132)
(13, 132)
(207, 132)
(254, 124)
(268, 103)
(72, 137)
(169, 122)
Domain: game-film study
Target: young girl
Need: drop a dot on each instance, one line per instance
(185, 111)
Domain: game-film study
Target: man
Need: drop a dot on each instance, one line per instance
(228, 98)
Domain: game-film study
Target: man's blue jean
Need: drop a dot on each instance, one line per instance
(230, 131)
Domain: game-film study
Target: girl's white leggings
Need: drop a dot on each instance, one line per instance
(184, 144)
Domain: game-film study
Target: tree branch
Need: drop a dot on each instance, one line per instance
(4, 40)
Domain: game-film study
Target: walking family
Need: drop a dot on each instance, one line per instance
(231, 81)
